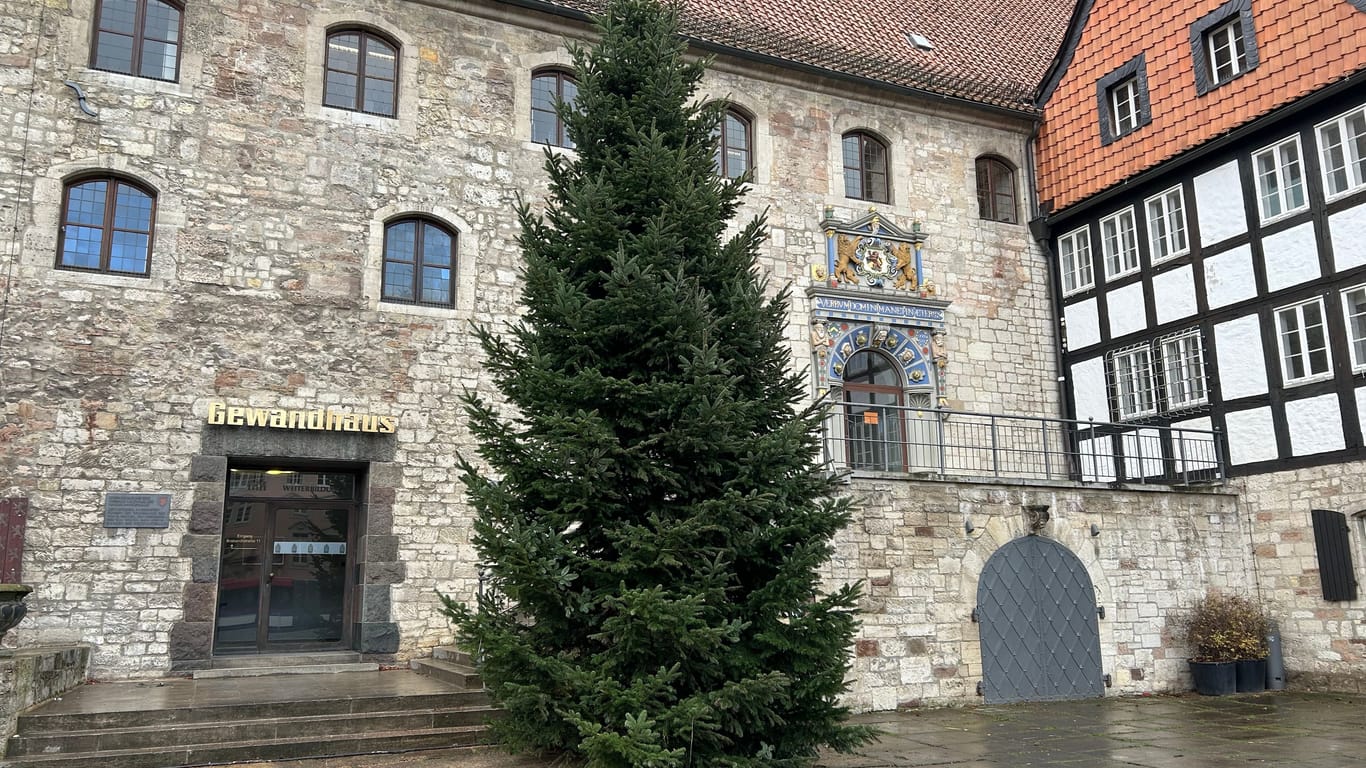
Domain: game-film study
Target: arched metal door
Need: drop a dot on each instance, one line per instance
(1039, 632)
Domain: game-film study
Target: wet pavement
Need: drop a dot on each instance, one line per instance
(1273, 729)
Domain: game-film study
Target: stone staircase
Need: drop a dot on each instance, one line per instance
(165, 724)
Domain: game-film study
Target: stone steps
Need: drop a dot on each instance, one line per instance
(450, 665)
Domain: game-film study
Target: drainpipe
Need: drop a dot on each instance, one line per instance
(1039, 229)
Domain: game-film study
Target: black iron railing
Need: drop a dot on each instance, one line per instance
(881, 438)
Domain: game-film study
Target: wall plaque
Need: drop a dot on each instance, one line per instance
(137, 510)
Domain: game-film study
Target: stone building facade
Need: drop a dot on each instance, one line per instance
(264, 306)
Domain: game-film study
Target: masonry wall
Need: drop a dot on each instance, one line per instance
(1156, 552)
(265, 272)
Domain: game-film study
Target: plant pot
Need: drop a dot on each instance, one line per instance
(1214, 678)
(12, 608)
(1251, 675)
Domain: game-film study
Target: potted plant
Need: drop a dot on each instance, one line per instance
(12, 607)
(1223, 633)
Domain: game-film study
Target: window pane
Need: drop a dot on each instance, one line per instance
(569, 91)
(81, 247)
(343, 53)
(853, 183)
(543, 126)
(379, 97)
(132, 209)
(114, 53)
(128, 252)
(436, 247)
(85, 203)
(341, 90)
(158, 60)
(118, 16)
(436, 285)
(381, 60)
(400, 242)
(543, 92)
(398, 281)
(162, 22)
(1356, 325)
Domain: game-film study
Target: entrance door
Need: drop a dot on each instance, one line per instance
(283, 574)
(1039, 631)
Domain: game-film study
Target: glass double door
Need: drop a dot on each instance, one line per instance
(282, 579)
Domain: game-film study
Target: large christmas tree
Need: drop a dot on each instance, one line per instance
(654, 514)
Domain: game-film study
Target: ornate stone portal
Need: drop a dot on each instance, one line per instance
(873, 292)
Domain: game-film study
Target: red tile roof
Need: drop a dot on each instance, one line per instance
(987, 51)
(1303, 45)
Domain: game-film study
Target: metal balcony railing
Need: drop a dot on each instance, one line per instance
(882, 438)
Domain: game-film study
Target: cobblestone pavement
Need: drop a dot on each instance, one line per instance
(1274, 729)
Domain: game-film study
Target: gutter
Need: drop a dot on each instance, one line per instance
(543, 6)
(1040, 230)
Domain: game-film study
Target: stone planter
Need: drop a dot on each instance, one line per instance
(12, 608)
(1251, 676)
(1214, 678)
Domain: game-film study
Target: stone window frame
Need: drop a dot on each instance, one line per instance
(1201, 38)
(139, 39)
(365, 36)
(988, 202)
(40, 236)
(464, 287)
(76, 30)
(422, 222)
(1135, 70)
(865, 135)
(320, 27)
(761, 144)
(557, 58)
(109, 224)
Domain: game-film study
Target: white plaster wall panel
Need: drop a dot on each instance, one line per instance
(1361, 407)
(1174, 294)
(1219, 204)
(1142, 453)
(1097, 460)
(1241, 370)
(1291, 257)
(1088, 390)
(1315, 425)
(1251, 436)
(1347, 231)
(1083, 324)
(1195, 450)
(1229, 277)
(1127, 310)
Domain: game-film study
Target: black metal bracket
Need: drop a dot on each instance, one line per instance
(975, 618)
(1100, 611)
(979, 689)
(1109, 682)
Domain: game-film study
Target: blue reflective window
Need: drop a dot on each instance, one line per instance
(106, 227)
(419, 263)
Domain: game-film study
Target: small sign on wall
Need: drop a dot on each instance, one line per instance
(137, 510)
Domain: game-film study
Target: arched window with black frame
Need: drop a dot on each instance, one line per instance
(734, 144)
(419, 262)
(361, 72)
(865, 167)
(996, 190)
(874, 412)
(550, 87)
(106, 226)
(137, 37)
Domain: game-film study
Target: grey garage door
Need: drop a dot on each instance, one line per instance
(1040, 637)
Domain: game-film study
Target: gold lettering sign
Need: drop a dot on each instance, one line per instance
(320, 419)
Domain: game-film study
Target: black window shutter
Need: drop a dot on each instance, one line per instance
(1335, 555)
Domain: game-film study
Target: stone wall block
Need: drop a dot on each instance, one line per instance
(191, 640)
(385, 573)
(206, 516)
(200, 601)
(381, 549)
(208, 469)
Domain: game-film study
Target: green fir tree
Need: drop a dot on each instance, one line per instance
(655, 516)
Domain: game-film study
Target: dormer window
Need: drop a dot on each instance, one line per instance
(1122, 97)
(1223, 45)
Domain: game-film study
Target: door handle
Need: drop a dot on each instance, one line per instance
(271, 577)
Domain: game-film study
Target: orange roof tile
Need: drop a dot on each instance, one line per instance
(1302, 45)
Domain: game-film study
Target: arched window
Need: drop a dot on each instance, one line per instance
(549, 87)
(874, 413)
(996, 190)
(137, 37)
(419, 262)
(361, 73)
(734, 153)
(106, 226)
(865, 168)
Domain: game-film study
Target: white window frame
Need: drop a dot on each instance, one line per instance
(1228, 38)
(1167, 233)
(1133, 382)
(1183, 369)
(1074, 261)
(1349, 148)
(1272, 186)
(1301, 335)
(1119, 250)
(1125, 94)
(1356, 327)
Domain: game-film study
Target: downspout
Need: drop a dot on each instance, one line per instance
(1040, 230)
